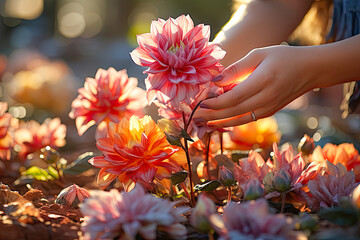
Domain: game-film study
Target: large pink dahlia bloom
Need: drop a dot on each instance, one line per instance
(179, 58)
(110, 215)
(110, 96)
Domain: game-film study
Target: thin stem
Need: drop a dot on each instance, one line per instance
(191, 115)
(211, 235)
(207, 156)
(186, 148)
(221, 142)
(229, 194)
(186, 191)
(283, 196)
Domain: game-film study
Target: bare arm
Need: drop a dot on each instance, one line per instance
(282, 73)
(261, 23)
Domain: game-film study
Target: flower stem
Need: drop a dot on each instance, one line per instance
(283, 196)
(207, 156)
(221, 142)
(186, 147)
(186, 124)
(211, 235)
(229, 195)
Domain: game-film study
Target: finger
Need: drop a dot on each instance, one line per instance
(254, 102)
(238, 94)
(239, 120)
(239, 70)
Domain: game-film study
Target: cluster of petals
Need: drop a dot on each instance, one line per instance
(6, 139)
(252, 167)
(72, 195)
(110, 96)
(136, 150)
(179, 58)
(345, 153)
(110, 215)
(327, 188)
(252, 220)
(259, 134)
(32, 136)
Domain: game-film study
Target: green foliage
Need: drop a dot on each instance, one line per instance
(80, 165)
(344, 215)
(41, 173)
(179, 177)
(207, 187)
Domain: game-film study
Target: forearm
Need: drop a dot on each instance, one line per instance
(259, 24)
(337, 62)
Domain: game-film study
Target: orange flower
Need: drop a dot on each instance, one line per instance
(136, 150)
(345, 153)
(32, 136)
(260, 134)
(110, 96)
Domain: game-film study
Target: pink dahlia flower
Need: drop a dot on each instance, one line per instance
(110, 215)
(110, 96)
(136, 150)
(31, 136)
(327, 189)
(179, 58)
(252, 220)
(6, 139)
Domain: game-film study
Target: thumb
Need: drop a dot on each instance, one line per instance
(240, 70)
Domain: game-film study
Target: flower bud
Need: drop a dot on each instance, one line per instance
(199, 218)
(169, 127)
(226, 177)
(282, 181)
(253, 189)
(49, 155)
(306, 145)
(72, 195)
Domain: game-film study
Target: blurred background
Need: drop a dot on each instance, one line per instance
(48, 48)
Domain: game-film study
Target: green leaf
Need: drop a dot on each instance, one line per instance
(342, 216)
(207, 187)
(52, 171)
(179, 177)
(38, 173)
(185, 135)
(173, 140)
(80, 165)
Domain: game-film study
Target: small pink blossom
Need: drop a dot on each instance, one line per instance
(179, 58)
(31, 136)
(252, 220)
(327, 189)
(123, 215)
(110, 96)
(72, 195)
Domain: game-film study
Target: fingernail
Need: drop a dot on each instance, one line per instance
(203, 105)
(198, 120)
(218, 78)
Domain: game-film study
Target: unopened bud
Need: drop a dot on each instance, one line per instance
(72, 195)
(282, 181)
(199, 218)
(169, 127)
(355, 196)
(49, 155)
(226, 177)
(253, 189)
(306, 145)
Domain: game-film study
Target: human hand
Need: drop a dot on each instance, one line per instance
(279, 74)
